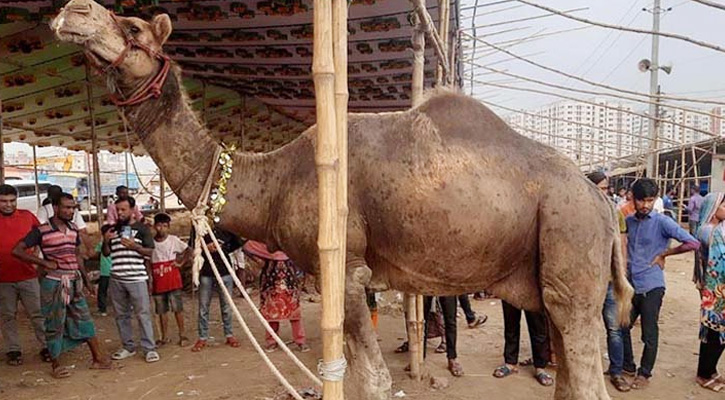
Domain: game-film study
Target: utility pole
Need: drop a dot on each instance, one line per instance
(653, 156)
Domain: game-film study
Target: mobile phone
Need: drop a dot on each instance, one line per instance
(126, 232)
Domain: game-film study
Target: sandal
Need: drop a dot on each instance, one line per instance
(61, 372)
(504, 371)
(162, 342)
(455, 368)
(477, 322)
(403, 348)
(527, 362)
(122, 354)
(232, 341)
(544, 378)
(271, 348)
(303, 348)
(715, 384)
(640, 382)
(441, 348)
(200, 344)
(620, 383)
(45, 355)
(183, 341)
(15, 358)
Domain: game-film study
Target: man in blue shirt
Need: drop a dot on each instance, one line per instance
(648, 237)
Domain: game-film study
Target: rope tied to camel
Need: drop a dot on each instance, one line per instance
(333, 371)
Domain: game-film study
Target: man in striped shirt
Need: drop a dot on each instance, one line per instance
(68, 321)
(130, 244)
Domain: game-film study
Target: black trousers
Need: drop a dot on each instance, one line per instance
(448, 308)
(647, 307)
(103, 293)
(710, 353)
(538, 333)
(465, 304)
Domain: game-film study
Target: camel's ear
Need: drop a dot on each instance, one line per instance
(161, 25)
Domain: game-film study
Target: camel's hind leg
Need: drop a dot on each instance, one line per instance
(573, 289)
(368, 377)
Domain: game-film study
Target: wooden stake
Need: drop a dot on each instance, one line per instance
(326, 159)
(413, 342)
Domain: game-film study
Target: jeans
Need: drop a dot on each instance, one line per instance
(538, 333)
(132, 298)
(206, 285)
(103, 293)
(710, 352)
(465, 303)
(27, 292)
(615, 347)
(449, 305)
(647, 306)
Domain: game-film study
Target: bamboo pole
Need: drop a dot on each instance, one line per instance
(2, 148)
(414, 348)
(427, 23)
(94, 151)
(125, 159)
(682, 187)
(35, 177)
(162, 192)
(696, 169)
(89, 194)
(663, 182)
(326, 158)
(443, 23)
(339, 36)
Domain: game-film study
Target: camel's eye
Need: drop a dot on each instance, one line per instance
(134, 29)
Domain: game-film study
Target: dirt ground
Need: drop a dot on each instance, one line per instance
(219, 372)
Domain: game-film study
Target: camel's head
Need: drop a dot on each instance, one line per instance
(106, 38)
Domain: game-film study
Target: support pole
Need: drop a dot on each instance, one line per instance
(682, 185)
(2, 148)
(414, 348)
(94, 151)
(162, 192)
(35, 177)
(443, 23)
(326, 159)
(89, 194)
(695, 167)
(427, 23)
(653, 156)
(125, 156)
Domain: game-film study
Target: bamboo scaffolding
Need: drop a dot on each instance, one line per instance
(695, 163)
(443, 24)
(326, 159)
(426, 21)
(682, 187)
(35, 177)
(94, 152)
(663, 182)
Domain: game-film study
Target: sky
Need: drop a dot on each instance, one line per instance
(600, 54)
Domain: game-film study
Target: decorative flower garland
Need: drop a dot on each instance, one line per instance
(217, 197)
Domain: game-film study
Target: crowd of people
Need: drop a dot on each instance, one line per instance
(42, 266)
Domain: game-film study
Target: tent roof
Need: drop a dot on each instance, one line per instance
(256, 57)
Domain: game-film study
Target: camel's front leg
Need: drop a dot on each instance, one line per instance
(368, 377)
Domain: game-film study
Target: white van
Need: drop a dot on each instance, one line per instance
(26, 193)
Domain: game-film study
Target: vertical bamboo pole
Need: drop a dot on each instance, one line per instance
(415, 303)
(162, 192)
(2, 148)
(443, 23)
(695, 168)
(94, 151)
(664, 181)
(125, 159)
(89, 194)
(326, 159)
(682, 186)
(35, 177)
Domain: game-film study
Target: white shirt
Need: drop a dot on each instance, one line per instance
(659, 206)
(168, 249)
(45, 213)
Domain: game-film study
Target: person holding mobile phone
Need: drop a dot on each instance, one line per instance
(130, 245)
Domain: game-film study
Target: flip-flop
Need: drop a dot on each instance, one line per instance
(504, 371)
(713, 384)
(478, 322)
(544, 378)
(232, 341)
(198, 346)
(45, 355)
(455, 368)
(162, 342)
(15, 358)
(61, 373)
(403, 348)
(441, 348)
(526, 362)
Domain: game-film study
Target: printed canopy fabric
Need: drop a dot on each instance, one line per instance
(254, 56)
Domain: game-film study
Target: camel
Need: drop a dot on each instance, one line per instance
(444, 199)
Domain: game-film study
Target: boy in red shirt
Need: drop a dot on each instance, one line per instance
(169, 254)
(18, 279)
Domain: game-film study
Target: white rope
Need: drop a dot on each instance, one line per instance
(333, 371)
(200, 227)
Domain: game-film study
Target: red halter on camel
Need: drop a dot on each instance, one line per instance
(152, 87)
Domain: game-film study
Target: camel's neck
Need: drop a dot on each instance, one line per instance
(176, 140)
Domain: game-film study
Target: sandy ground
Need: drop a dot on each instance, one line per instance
(219, 372)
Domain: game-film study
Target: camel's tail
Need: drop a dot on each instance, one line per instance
(623, 291)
